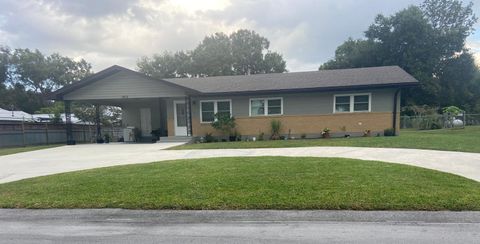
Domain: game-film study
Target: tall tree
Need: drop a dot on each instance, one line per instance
(17, 97)
(406, 39)
(456, 77)
(354, 54)
(27, 77)
(166, 65)
(240, 53)
(4, 64)
(213, 56)
(273, 63)
(247, 51)
(43, 74)
(452, 23)
(422, 40)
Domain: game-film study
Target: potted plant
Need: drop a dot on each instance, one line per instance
(451, 113)
(225, 124)
(276, 126)
(326, 133)
(156, 134)
(107, 138)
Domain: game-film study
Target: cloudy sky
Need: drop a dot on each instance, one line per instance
(107, 32)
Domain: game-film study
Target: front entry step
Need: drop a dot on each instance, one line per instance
(186, 139)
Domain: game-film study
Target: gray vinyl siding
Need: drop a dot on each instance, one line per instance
(125, 85)
(306, 103)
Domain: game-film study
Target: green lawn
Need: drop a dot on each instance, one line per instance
(249, 183)
(465, 140)
(12, 150)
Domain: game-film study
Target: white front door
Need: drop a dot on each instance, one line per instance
(146, 121)
(180, 118)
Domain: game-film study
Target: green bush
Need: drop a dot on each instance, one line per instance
(276, 126)
(209, 138)
(261, 136)
(389, 132)
(224, 123)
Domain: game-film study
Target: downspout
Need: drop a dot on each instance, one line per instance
(395, 111)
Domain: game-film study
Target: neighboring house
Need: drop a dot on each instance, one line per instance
(51, 117)
(354, 100)
(8, 115)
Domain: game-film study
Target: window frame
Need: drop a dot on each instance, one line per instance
(215, 108)
(265, 102)
(352, 102)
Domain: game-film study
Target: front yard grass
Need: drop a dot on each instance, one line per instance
(249, 183)
(13, 150)
(464, 140)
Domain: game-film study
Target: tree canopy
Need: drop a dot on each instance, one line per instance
(45, 74)
(241, 53)
(29, 76)
(428, 41)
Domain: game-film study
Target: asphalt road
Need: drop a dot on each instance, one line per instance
(134, 226)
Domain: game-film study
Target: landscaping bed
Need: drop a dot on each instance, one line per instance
(464, 140)
(249, 183)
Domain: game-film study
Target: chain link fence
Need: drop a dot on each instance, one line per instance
(431, 122)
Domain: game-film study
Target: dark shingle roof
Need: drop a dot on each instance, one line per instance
(322, 80)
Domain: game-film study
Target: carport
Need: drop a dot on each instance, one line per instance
(147, 103)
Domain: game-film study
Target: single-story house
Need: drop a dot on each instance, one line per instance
(345, 100)
(14, 115)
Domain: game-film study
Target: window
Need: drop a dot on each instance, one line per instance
(360, 103)
(342, 104)
(208, 109)
(266, 106)
(352, 103)
(257, 107)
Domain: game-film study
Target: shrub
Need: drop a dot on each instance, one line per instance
(452, 110)
(326, 133)
(261, 136)
(276, 126)
(303, 136)
(389, 132)
(209, 138)
(224, 123)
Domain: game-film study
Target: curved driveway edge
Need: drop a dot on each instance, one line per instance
(72, 158)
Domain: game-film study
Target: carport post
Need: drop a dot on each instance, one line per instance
(97, 124)
(68, 123)
(188, 111)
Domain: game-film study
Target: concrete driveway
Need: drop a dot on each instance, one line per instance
(71, 158)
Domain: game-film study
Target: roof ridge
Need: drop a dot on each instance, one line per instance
(296, 72)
